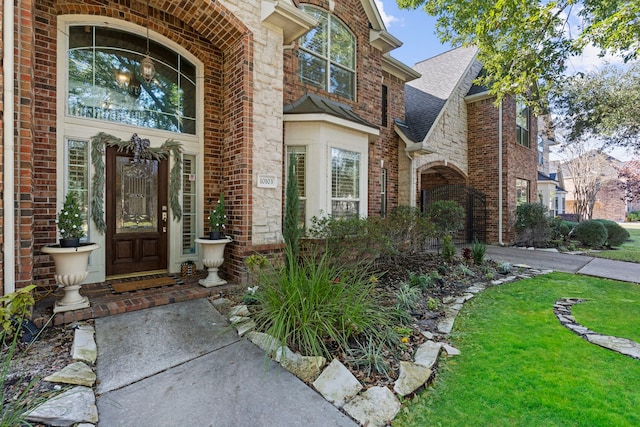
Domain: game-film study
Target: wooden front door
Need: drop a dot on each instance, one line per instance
(136, 214)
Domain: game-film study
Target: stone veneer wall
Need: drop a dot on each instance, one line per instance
(448, 135)
(518, 162)
(369, 81)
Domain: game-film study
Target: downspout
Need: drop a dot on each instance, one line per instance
(500, 175)
(9, 149)
(412, 181)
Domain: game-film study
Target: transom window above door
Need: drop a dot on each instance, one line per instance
(104, 81)
(327, 57)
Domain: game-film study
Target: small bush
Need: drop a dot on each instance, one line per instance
(561, 229)
(478, 250)
(407, 296)
(448, 248)
(633, 216)
(532, 224)
(591, 233)
(616, 234)
(447, 216)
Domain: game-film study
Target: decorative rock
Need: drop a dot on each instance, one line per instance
(621, 345)
(266, 342)
(451, 350)
(77, 405)
(239, 310)
(245, 327)
(223, 305)
(428, 335)
(307, 368)
(77, 373)
(337, 384)
(238, 319)
(84, 345)
(427, 354)
(446, 325)
(412, 377)
(374, 408)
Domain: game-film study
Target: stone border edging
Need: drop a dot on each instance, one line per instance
(562, 310)
(376, 406)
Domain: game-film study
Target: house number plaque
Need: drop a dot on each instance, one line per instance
(267, 181)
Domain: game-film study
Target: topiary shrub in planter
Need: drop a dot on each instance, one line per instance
(591, 233)
(616, 235)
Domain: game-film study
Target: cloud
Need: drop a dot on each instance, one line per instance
(387, 19)
(590, 60)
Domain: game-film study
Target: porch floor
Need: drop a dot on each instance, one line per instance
(105, 302)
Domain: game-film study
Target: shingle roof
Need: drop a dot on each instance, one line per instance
(314, 104)
(425, 97)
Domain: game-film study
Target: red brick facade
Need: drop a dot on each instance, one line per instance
(215, 37)
(369, 81)
(518, 162)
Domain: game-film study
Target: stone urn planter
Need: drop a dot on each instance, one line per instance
(71, 270)
(212, 258)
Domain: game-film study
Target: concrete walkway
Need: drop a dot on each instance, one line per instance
(180, 364)
(568, 263)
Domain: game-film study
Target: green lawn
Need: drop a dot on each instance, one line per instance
(520, 367)
(629, 251)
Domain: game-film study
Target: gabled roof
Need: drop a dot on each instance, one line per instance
(427, 96)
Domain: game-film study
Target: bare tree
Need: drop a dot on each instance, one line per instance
(630, 181)
(587, 171)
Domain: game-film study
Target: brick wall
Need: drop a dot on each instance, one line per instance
(518, 162)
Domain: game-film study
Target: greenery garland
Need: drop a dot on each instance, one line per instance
(98, 144)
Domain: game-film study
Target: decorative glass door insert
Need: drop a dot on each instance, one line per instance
(136, 196)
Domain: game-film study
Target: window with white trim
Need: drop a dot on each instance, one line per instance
(77, 175)
(189, 204)
(522, 191)
(345, 183)
(327, 55)
(522, 122)
(104, 81)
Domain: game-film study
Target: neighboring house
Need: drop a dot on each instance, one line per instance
(243, 86)
(455, 134)
(609, 203)
(550, 193)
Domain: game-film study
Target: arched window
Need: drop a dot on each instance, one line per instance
(327, 55)
(105, 82)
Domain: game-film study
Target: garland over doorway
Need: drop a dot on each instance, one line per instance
(141, 150)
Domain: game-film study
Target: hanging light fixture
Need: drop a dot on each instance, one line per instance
(147, 69)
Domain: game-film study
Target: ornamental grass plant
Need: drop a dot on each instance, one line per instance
(314, 306)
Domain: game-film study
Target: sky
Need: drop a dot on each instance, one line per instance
(416, 30)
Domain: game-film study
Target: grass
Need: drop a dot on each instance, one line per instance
(520, 367)
(629, 251)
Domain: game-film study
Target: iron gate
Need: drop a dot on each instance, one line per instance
(474, 203)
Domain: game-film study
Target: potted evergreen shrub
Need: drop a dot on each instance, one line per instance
(71, 258)
(213, 247)
(217, 220)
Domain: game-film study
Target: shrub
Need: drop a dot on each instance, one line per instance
(616, 234)
(448, 248)
(561, 229)
(15, 306)
(532, 226)
(447, 216)
(309, 306)
(633, 216)
(478, 250)
(591, 233)
(406, 230)
(407, 296)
